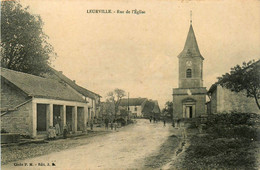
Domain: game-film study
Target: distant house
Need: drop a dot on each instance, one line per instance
(30, 104)
(136, 105)
(223, 100)
(151, 109)
(92, 98)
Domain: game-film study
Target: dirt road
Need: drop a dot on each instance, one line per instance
(124, 149)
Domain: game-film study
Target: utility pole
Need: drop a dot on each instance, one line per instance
(128, 106)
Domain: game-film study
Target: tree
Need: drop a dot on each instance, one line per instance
(168, 108)
(24, 46)
(245, 78)
(115, 97)
(107, 108)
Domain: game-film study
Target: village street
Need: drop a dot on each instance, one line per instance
(126, 148)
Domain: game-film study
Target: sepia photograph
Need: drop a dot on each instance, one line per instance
(130, 84)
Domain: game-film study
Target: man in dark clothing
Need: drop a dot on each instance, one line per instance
(106, 123)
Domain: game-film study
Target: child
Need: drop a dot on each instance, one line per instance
(51, 133)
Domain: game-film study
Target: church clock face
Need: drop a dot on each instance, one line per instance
(189, 63)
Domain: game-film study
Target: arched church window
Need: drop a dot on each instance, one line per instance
(188, 73)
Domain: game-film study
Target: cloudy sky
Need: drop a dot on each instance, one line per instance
(138, 53)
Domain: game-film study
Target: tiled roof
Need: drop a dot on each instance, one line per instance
(36, 86)
(156, 108)
(54, 74)
(191, 48)
(132, 101)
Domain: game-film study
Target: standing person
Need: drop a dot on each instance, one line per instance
(178, 123)
(115, 124)
(111, 125)
(106, 123)
(150, 119)
(164, 122)
(57, 126)
(65, 132)
(91, 124)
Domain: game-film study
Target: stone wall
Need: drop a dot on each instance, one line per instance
(213, 102)
(10, 95)
(224, 100)
(18, 121)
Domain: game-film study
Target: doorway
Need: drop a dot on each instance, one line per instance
(189, 112)
(69, 118)
(57, 118)
(41, 117)
(80, 118)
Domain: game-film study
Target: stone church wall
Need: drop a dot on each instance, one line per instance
(178, 105)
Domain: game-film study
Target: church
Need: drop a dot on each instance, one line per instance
(190, 97)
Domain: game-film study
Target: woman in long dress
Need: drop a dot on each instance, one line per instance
(57, 126)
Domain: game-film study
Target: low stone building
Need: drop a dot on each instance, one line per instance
(31, 104)
(223, 100)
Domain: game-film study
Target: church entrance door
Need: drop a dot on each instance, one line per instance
(189, 111)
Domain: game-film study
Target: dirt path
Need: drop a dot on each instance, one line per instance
(128, 148)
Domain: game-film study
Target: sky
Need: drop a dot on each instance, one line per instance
(138, 53)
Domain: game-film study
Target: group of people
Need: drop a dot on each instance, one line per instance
(55, 130)
(113, 124)
(155, 120)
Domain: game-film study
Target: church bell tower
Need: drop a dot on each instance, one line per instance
(190, 97)
(190, 63)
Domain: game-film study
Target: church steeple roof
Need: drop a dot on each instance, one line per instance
(191, 48)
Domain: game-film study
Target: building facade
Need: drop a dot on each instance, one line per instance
(30, 105)
(135, 105)
(190, 97)
(223, 100)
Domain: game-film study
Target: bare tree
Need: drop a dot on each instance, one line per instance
(115, 97)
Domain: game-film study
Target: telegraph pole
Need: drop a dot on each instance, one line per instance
(128, 106)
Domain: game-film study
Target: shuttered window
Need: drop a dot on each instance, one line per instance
(188, 73)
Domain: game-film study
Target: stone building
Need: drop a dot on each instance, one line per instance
(223, 100)
(190, 97)
(30, 104)
(136, 105)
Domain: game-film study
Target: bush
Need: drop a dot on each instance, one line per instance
(229, 143)
(3, 131)
(234, 125)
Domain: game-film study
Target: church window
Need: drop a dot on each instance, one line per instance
(188, 73)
